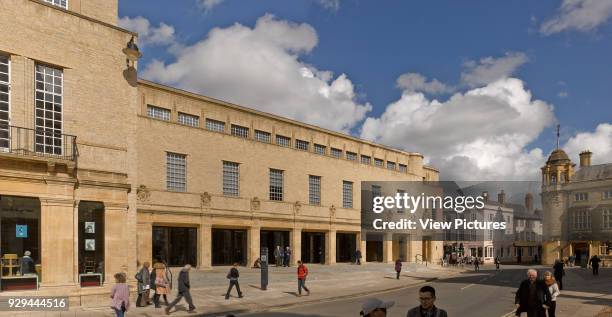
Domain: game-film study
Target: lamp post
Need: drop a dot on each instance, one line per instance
(132, 53)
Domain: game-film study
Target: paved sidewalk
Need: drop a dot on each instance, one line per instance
(325, 282)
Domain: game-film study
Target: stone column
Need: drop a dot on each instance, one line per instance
(330, 247)
(144, 232)
(388, 249)
(296, 245)
(115, 241)
(205, 246)
(57, 249)
(253, 245)
(361, 246)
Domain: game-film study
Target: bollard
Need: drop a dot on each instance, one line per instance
(263, 259)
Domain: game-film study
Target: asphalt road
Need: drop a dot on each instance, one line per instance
(486, 293)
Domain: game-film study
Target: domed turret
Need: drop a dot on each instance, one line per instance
(558, 156)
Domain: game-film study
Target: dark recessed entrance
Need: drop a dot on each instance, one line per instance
(346, 245)
(229, 246)
(271, 239)
(175, 246)
(313, 247)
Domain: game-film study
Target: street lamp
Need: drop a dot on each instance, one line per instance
(132, 53)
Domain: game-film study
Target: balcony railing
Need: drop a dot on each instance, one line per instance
(37, 142)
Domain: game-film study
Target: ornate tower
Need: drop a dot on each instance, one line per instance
(556, 174)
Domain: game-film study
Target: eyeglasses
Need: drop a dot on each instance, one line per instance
(424, 299)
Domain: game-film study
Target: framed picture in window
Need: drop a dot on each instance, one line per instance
(90, 244)
(90, 227)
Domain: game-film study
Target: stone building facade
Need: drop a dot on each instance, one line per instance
(99, 170)
(577, 206)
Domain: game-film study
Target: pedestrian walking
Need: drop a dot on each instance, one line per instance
(594, 262)
(374, 307)
(163, 283)
(143, 277)
(358, 257)
(427, 298)
(302, 273)
(553, 288)
(532, 296)
(233, 276)
(120, 295)
(497, 263)
(559, 272)
(476, 264)
(398, 268)
(287, 256)
(277, 256)
(183, 290)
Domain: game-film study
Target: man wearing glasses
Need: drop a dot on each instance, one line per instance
(427, 296)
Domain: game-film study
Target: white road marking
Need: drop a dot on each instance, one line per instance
(467, 286)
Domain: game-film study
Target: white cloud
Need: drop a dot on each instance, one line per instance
(599, 142)
(148, 35)
(563, 94)
(209, 4)
(414, 82)
(490, 69)
(333, 5)
(260, 67)
(481, 134)
(581, 15)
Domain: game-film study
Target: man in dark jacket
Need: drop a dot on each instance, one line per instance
(532, 296)
(559, 272)
(183, 290)
(144, 281)
(427, 297)
(594, 261)
(233, 276)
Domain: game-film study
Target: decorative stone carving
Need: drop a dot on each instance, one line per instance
(332, 211)
(297, 206)
(205, 199)
(143, 193)
(255, 203)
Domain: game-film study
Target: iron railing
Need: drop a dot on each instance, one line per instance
(37, 142)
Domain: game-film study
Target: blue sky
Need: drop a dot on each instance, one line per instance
(559, 51)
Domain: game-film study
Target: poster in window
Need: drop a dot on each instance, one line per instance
(21, 231)
(90, 244)
(90, 227)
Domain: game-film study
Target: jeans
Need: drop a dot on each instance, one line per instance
(302, 284)
(231, 285)
(119, 312)
(178, 298)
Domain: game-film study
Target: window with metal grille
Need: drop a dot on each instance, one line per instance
(314, 190)
(60, 3)
(263, 136)
(4, 101)
(176, 172)
(391, 165)
(276, 184)
(48, 99)
(283, 141)
(582, 196)
(351, 156)
(378, 162)
(347, 194)
(607, 194)
(403, 168)
(158, 113)
(301, 145)
(320, 149)
(337, 153)
(365, 160)
(240, 131)
(188, 119)
(231, 179)
(215, 125)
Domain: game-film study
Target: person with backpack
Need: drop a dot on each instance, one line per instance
(302, 273)
(143, 278)
(233, 276)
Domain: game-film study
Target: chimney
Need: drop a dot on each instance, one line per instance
(585, 158)
(529, 202)
(501, 197)
(485, 195)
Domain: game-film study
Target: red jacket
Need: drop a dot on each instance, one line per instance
(302, 272)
